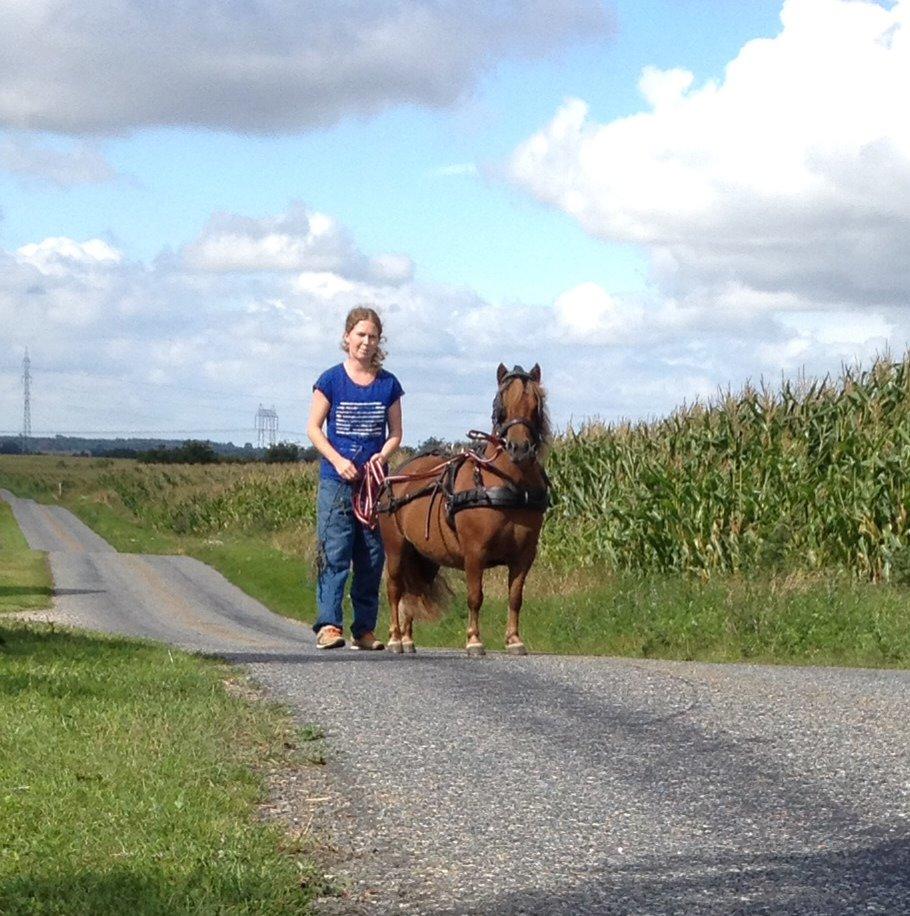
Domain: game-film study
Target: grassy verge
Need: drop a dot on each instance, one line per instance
(825, 619)
(25, 581)
(819, 618)
(822, 620)
(127, 783)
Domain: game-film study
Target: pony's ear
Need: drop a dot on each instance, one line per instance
(501, 373)
(535, 373)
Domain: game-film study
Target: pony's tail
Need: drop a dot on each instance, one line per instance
(426, 594)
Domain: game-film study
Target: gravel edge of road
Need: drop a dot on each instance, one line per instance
(302, 799)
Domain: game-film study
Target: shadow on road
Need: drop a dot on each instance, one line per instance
(872, 877)
(335, 656)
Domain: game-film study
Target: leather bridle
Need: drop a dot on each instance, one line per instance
(501, 426)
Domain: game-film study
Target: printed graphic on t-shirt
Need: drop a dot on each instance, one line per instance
(360, 419)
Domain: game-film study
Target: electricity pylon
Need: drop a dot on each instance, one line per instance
(27, 401)
(266, 426)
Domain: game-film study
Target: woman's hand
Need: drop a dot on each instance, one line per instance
(378, 460)
(347, 470)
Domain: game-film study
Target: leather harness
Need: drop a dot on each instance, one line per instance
(506, 496)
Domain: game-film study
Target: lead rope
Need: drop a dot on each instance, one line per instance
(371, 483)
(375, 478)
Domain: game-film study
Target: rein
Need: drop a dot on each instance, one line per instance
(375, 480)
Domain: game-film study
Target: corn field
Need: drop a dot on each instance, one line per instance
(185, 499)
(258, 499)
(809, 476)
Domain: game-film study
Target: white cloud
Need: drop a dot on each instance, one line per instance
(59, 256)
(261, 66)
(123, 345)
(391, 268)
(588, 315)
(298, 240)
(323, 284)
(789, 178)
(118, 344)
(663, 88)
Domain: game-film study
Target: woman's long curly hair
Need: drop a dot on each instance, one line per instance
(365, 313)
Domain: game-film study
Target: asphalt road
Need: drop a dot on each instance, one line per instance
(548, 785)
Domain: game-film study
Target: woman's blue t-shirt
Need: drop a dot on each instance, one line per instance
(358, 416)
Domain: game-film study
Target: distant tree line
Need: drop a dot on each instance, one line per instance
(191, 451)
(194, 451)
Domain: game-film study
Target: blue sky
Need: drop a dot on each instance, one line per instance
(632, 299)
(377, 175)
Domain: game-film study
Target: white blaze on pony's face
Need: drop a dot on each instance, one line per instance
(362, 341)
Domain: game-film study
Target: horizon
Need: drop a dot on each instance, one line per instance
(846, 374)
(655, 201)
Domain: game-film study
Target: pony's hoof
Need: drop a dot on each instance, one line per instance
(475, 650)
(394, 646)
(516, 648)
(407, 646)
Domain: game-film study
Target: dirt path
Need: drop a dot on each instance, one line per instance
(549, 784)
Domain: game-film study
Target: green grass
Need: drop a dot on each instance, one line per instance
(823, 617)
(25, 580)
(127, 783)
(824, 620)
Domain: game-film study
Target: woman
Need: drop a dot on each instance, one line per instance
(360, 404)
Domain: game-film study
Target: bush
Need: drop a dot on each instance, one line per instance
(191, 452)
(283, 452)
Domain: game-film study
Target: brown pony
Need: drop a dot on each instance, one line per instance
(480, 509)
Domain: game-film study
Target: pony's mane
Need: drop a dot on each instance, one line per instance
(511, 395)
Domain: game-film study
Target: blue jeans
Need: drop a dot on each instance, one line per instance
(342, 542)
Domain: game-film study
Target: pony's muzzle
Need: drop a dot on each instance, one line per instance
(521, 452)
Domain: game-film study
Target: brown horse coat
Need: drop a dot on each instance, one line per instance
(421, 535)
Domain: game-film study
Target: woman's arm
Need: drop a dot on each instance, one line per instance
(319, 410)
(395, 433)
